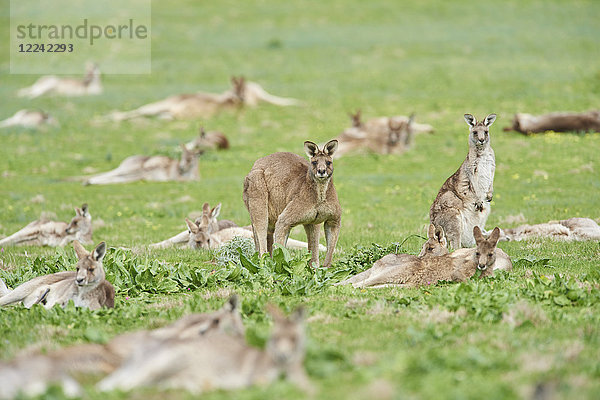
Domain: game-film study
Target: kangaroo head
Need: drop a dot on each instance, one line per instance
(188, 161)
(321, 161)
(81, 224)
(89, 267)
(356, 122)
(436, 244)
(239, 88)
(398, 130)
(485, 252)
(199, 233)
(479, 132)
(210, 216)
(92, 73)
(287, 343)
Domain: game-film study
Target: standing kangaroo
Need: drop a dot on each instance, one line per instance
(51, 84)
(54, 233)
(155, 168)
(87, 286)
(413, 271)
(283, 190)
(219, 361)
(463, 202)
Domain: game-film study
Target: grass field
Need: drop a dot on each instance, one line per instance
(520, 335)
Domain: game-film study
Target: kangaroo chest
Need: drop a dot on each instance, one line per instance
(480, 172)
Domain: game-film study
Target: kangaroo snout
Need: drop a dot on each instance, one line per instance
(80, 281)
(482, 267)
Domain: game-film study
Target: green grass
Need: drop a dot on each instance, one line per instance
(437, 59)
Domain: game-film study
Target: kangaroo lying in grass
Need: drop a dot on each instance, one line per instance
(208, 141)
(411, 271)
(218, 361)
(588, 121)
(151, 168)
(205, 104)
(29, 119)
(42, 232)
(86, 286)
(283, 190)
(32, 374)
(572, 229)
(51, 84)
(463, 201)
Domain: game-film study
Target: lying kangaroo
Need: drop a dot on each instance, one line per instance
(51, 84)
(572, 229)
(42, 232)
(218, 361)
(464, 199)
(205, 104)
(283, 190)
(29, 119)
(435, 245)
(32, 374)
(588, 121)
(151, 168)
(208, 141)
(413, 271)
(208, 218)
(87, 286)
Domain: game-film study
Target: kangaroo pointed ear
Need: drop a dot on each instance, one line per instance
(330, 147)
(214, 213)
(205, 209)
(477, 234)
(80, 250)
(84, 210)
(489, 120)
(494, 236)
(411, 119)
(202, 132)
(99, 251)
(193, 228)
(78, 212)
(311, 149)
(431, 231)
(233, 303)
(471, 121)
(299, 314)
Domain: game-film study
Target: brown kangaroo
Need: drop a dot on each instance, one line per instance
(51, 84)
(464, 199)
(54, 233)
(208, 141)
(29, 119)
(283, 190)
(588, 121)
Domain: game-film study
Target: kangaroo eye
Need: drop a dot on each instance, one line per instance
(489, 255)
(314, 163)
(477, 254)
(328, 163)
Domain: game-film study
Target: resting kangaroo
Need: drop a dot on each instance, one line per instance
(155, 168)
(32, 374)
(51, 84)
(435, 245)
(572, 229)
(218, 361)
(414, 271)
(588, 121)
(53, 233)
(87, 286)
(283, 190)
(208, 141)
(463, 201)
(29, 119)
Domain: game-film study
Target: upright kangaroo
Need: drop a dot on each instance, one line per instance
(218, 361)
(87, 286)
(155, 168)
(51, 84)
(463, 202)
(283, 190)
(414, 271)
(42, 232)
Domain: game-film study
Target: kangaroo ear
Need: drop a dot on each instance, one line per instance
(233, 303)
(99, 251)
(202, 132)
(411, 119)
(330, 147)
(494, 236)
(440, 236)
(471, 121)
(477, 234)
(214, 213)
(193, 228)
(310, 148)
(205, 209)
(489, 120)
(80, 250)
(431, 231)
(299, 314)
(78, 212)
(84, 210)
